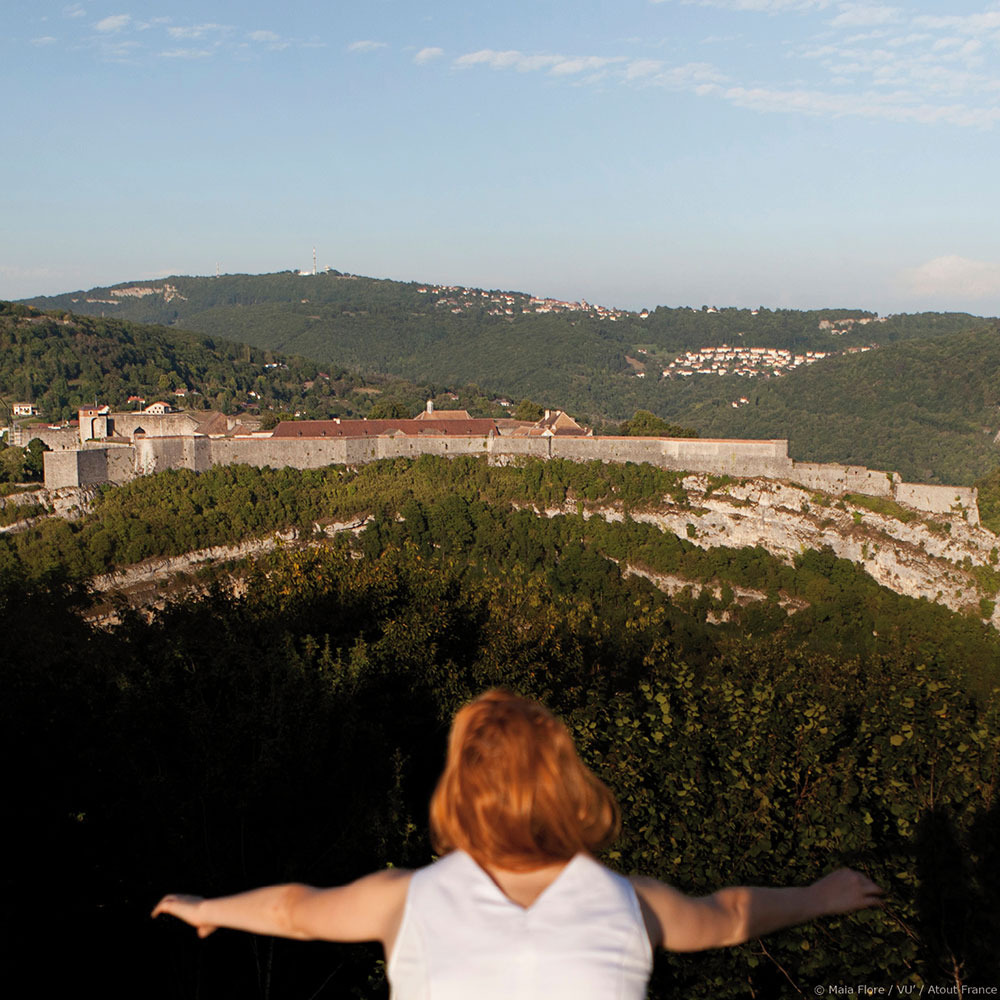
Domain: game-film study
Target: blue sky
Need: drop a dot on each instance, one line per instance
(804, 153)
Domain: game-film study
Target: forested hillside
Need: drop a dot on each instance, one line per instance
(929, 409)
(902, 407)
(290, 726)
(59, 361)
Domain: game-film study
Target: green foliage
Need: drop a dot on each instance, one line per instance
(646, 424)
(295, 732)
(61, 361)
(528, 410)
(883, 506)
(989, 500)
(34, 469)
(385, 409)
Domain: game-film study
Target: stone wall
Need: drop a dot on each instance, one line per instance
(722, 457)
(89, 466)
(61, 469)
(56, 438)
(960, 500)
(833, 478)
(119, 463)
(152, 424)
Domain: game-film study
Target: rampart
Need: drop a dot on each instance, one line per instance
(56, 438)
(745, 459)
(722, 457)
(832, 478)
(111, 463)
(959, 500)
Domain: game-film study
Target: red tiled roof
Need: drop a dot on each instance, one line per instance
(444, 415)
(379, 428)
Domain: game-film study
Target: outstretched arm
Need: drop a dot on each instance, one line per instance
(367, 910)
(732, 916)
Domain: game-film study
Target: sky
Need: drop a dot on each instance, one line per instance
(633, 153)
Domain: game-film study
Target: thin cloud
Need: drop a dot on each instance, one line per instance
(898, 107)
(195, 30)
(638, 69)
(428, 55)
(761, 6)
(862, 15)
(44, 40)
(366, 45)
(187, 53)
(523, 62)
(74, 10)
(966, 24)
(263, 36)
(953, 276)
(582, 64)
(113, 23)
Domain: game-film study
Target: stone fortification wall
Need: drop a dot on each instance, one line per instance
(961, 500)
(154, 454)
(503, 450)
(200, 453)
(56, 438)
(300, 453)
(734, 458)
(120, 463)
(833, 478)
(61, 469)
(88, 466)
(154, 424)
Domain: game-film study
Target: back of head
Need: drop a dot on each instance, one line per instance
(514, 793)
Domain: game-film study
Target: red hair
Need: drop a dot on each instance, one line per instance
(514, 793)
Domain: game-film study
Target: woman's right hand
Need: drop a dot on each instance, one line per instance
(845, 891)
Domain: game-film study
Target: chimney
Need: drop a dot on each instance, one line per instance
(430, 405)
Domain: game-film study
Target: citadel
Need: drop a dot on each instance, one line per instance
(115, 447)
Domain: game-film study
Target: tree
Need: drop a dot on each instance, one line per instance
(34, 467)
(386, 409)
(646, 424)
(528, 410)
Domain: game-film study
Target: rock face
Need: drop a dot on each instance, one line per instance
(929, 556)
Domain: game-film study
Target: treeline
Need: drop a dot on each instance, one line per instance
(60, 361)
(295, 733)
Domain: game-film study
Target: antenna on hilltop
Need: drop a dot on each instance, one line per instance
(314, 260)
(216, 268)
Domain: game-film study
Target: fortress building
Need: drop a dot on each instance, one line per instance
(117, 447)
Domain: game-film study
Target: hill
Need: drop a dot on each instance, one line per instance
(903, 406)
(60, 361)
(927, 409)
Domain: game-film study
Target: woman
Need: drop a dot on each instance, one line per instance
(517, 906)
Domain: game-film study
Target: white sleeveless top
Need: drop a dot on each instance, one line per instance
(461, 938)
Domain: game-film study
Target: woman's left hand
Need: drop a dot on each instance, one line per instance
(186, 908)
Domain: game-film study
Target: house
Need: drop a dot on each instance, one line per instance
(25, 410)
